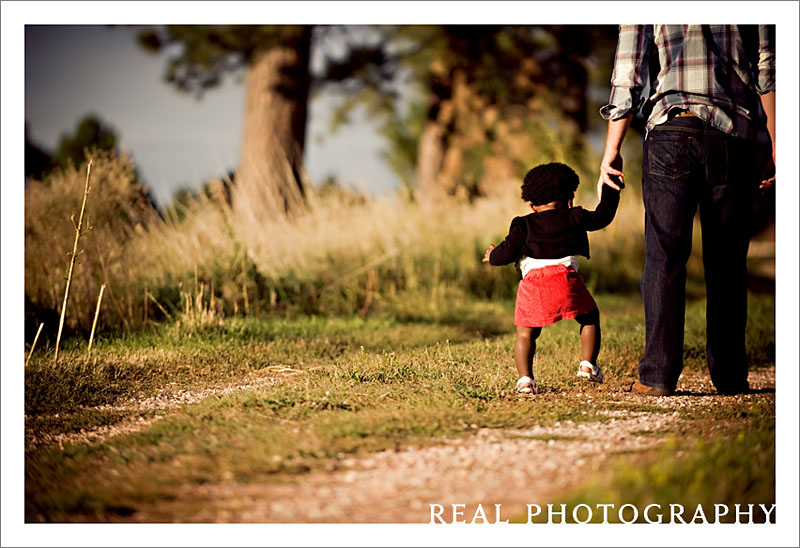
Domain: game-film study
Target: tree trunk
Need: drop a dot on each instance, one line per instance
(430, 159)
(270, 175)
(440, 151)
(432, 147)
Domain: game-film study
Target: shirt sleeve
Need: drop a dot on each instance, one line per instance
(511, 248)
(766, 58)
(605, 212)
(631, 71)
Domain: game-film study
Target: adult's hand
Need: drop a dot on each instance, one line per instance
(768, 183)
(768, 173)
(768, 103)
(611, 173)
(611, 166)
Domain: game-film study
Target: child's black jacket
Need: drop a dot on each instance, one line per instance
(555, 233)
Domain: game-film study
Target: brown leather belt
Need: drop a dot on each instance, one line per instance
(684, 114)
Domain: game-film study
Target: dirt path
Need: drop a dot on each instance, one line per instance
(165, 401)
(507, 467)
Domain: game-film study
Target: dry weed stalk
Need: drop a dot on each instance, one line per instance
(144, 305)
(72, 257)
(197, 312)
(36, 338)
(158, 304)
(96, 314)
(244, 284)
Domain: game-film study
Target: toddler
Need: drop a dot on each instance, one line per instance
(547, 244)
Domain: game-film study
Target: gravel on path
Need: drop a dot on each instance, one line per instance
(512, 468)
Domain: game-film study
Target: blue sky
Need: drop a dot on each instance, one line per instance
(175, 139)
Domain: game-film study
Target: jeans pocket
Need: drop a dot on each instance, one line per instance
(668, 155)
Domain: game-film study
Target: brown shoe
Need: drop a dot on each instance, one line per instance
(644, 390)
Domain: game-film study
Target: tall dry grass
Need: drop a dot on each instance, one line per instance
(340, 253)
(118, 214)
(334, 255)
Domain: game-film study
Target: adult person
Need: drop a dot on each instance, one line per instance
(711, 92)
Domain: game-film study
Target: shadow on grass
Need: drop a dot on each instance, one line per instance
(485, 328)
(754, 391)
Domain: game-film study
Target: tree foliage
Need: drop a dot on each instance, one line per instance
(38, 160)
(478, 86)
(463, 77)
(91, 133)
(199, 56)
(505, 64)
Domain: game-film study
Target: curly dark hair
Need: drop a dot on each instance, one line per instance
(548, 183)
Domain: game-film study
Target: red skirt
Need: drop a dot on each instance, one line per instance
(549, 294)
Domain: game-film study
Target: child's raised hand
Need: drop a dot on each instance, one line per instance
(488, 252)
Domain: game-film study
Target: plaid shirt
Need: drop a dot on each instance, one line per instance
(717, 72)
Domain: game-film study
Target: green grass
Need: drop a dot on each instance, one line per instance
(142, 362)
(735, 468)
(350, 386)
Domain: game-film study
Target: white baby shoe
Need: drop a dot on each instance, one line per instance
(594, 373)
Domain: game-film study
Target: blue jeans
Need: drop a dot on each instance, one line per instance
(687, 164)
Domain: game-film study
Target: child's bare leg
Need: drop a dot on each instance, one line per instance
(590, 335)
(590, 343)
(524, 349)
